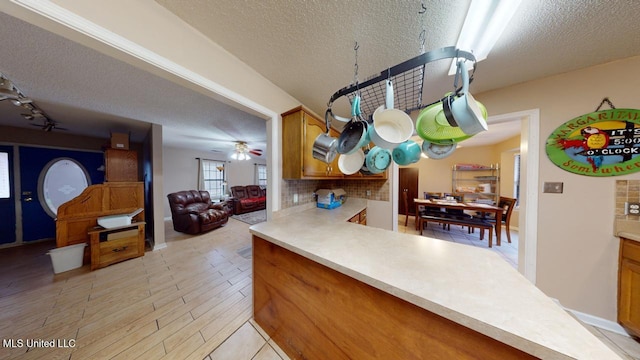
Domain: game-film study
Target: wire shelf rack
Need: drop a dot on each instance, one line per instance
(407, 79)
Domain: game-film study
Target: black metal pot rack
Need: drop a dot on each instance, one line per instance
(407, 79)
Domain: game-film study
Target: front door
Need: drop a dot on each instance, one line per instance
(7, 197)
(37, 222)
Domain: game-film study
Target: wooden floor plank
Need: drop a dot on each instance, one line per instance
(155, 306)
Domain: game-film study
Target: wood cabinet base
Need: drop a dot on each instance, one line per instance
(109, 246)
(629, 286)
(314, 312)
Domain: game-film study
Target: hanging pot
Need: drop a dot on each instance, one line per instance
(364, 170)
(463, 111)
(406, 153)
(378, 160)
(325, 146)
(390, 126)
(432, 125)
(438, 151)
(355, 134)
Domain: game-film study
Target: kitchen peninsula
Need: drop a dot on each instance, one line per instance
(325, 288)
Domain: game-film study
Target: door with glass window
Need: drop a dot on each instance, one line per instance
(48, 178)
(7, 197)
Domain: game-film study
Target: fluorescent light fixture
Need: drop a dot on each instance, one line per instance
(485, 22)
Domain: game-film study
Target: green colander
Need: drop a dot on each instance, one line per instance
(432, 125)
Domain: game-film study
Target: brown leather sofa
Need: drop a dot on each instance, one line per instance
(248, 198)
(193, 213)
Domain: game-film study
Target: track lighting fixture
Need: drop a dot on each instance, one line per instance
(8, 91)
(21, 101)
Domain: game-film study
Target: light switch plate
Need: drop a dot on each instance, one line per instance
(552, 187)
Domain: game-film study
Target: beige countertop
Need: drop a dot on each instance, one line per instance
(468, 285)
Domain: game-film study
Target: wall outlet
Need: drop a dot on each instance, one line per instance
(632, 208)
(295, 198)
(552, 187)
(368, 192)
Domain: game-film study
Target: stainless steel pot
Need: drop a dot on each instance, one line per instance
(325, 146)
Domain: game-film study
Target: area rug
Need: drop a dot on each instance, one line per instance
(252, 217)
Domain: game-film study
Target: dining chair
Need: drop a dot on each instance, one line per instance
(432, 195)
(456, 213)
(422, 210)
(507, 204)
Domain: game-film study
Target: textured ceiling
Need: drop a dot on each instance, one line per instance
(306, 48)
(92, 94)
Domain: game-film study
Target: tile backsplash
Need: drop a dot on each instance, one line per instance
(626, 191)
(354, 188)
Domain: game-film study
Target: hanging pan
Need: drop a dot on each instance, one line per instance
(462, 110)
(378, 160)
(324, 147)
(438, 151)
(354, 135)
(390, 126)
(350, 164)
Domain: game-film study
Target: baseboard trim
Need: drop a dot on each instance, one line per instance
(159, 247)
(599, 322)
(595, 321)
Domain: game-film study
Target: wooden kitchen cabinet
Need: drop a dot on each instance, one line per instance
(121, 165)
(299, 131)
(629, 286)
(360, 218)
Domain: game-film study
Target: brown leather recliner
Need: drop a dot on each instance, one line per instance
(193, 213)
(248, 198)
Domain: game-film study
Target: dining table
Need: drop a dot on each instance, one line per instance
(465, 206)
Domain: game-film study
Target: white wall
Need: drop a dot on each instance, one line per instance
(577, 254)
(241, 173)
(181, 171)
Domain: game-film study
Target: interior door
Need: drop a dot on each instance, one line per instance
(408, 181)
(37, 224)
(7, 197)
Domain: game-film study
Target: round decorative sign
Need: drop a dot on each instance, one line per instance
(602, 143)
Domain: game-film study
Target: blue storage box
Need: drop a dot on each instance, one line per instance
(331, 205)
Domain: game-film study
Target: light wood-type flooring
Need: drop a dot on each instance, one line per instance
(181, 302)
(191, 300)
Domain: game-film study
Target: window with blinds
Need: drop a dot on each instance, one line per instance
(261, 172)
(213, 177)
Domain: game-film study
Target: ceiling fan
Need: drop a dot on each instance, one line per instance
(48, 125)
(242, 151)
